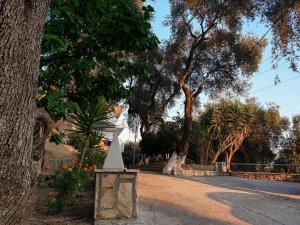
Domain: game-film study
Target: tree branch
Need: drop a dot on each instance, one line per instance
(169, 99)
(196, 44)
(200, 88)
(188, 25)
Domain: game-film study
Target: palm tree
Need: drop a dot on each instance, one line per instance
(91, 116)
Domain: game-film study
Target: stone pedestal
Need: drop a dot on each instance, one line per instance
(116, 194)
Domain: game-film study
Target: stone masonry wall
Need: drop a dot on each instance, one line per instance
(198, 173)
(198, 167)
(268, 176)
(116, 195)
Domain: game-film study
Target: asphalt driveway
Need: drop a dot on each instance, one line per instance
(168, 200)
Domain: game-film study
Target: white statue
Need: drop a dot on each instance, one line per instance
(114, 158)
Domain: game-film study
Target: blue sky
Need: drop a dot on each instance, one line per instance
(286, 95)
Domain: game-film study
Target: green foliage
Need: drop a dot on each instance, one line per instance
(208, 53)
(148, 144)
(207, 49)
(128, 153)
(70, 182)
(91, 116)
(197, 150)
(248, 56)
(55, 105)
(153, 93)
(229, 117)
(94, 157)
(89, 49)
(266, 130)
(74, 140)
(284, 17)
(290, 152)
(164, 141)
(57, 137)
(89, 119)
(169, 135)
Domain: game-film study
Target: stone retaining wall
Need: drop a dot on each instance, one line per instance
(198, 167)
(154, 167)
(116, 195)
(198, 173)
(268, 176)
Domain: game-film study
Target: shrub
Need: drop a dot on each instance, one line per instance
(129, 152)
(74, 140)
(57, 136)
(71, 180)
(95, 157)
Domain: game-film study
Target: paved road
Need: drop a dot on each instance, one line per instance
(167, 200)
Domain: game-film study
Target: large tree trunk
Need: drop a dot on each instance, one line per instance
(187, 123)
(176, 161)
(21, 26)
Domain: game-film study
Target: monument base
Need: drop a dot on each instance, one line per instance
(115, 194)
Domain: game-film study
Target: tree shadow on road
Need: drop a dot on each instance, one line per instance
(277, 188)
(258, 209)
(256, 201)
(157, 212)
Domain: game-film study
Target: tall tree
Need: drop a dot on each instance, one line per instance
(164, 141)
(154, 93)
(290, 153)
(233, 122)
(21, 28)
(230, 125)
(88, 48)
(207, 51)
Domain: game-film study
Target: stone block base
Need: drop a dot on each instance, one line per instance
(116, 194)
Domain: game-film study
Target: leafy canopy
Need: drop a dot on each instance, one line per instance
(207, 51)
(154, 93)
(228, 118)
(89, 48)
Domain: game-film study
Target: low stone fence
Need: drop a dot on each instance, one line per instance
(197, 173)
(197, 170)
(154, 167)
(198, 167)
(268, 176)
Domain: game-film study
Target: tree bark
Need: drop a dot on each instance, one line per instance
(21, 27)
(216, 156)
(187, 123)
(228, 161)
(42, 129)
